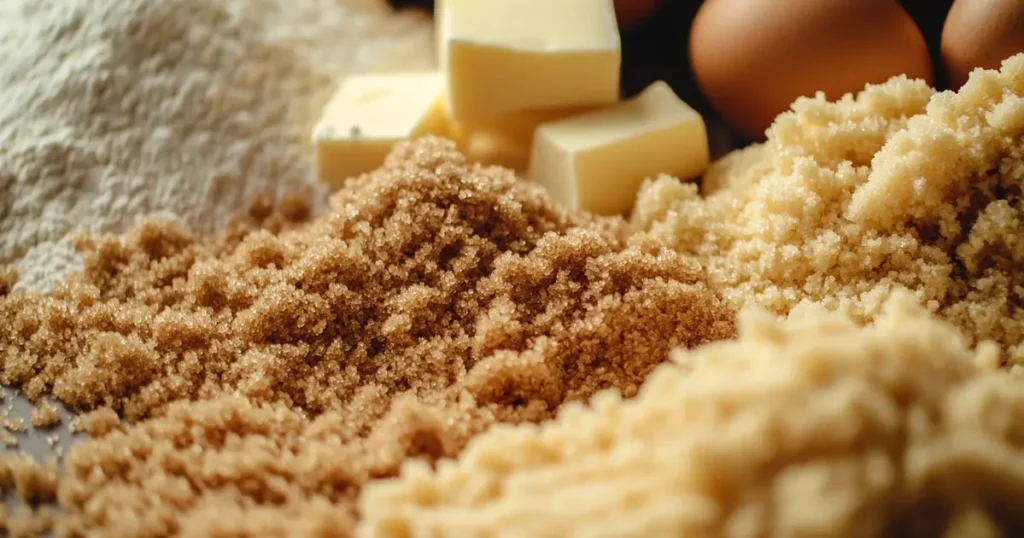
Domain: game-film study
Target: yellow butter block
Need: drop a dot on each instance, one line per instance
(598, 160)
(508, 140)
(505, 56)
(369, 114)
(497, 149)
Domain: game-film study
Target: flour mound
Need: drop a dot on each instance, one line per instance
(111, 110)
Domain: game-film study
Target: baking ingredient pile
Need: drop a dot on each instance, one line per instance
(274, 371)
(887, 232)
(273, 375)
(112, 110)
(847, 201)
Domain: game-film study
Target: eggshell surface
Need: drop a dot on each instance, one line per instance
(752, 58)
(980, 33)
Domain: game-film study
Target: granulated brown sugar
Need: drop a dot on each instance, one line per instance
(812, 427)
(269, 373)
(848, 201)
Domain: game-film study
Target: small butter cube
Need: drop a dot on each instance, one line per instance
(508, 140)
(504, 56)
(497, 149)
(369, 114)
(597, 161)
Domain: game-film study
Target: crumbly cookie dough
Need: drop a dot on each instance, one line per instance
(810, 427)
(848, 201)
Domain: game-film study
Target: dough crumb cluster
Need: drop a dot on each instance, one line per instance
(898, 188)
(808, 426)
(44, 415)
(251, 384)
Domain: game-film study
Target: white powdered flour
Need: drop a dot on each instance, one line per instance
(111, 110)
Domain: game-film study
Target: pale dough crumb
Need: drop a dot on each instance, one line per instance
(848, 201)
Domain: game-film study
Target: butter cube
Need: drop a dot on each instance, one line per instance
(506, 141)
(497, 149)
(598, 160)
(504, 56)
(369, 114)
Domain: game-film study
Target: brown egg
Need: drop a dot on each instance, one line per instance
(980, 33)
(632, 13)
(752, 58)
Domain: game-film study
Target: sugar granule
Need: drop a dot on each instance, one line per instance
(263, 376)
(900, 187)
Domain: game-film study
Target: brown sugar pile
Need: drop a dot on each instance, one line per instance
(848, 201)
(264, 376)
(806, 428)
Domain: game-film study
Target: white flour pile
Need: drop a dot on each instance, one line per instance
(111, 110)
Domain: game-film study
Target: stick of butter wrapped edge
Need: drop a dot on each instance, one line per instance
(597, 161)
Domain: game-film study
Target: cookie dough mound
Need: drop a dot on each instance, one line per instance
(848, 201)
(807, 427)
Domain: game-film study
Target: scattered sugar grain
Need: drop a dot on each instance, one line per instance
(10, 427)
(44, 415)
(14, 424)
